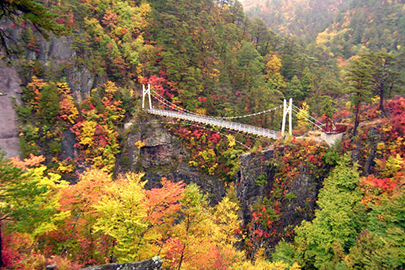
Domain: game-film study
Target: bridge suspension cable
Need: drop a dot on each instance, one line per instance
(249, 115)
(210, 129)
(217, 122)
(308, 116)
(177, 108)
(222, 121)
(171, 104)
(299, 113)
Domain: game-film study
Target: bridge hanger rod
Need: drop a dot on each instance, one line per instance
(208, 120)
(222, 123)
(308, 115)
(199, 126)
(249, 115)
(299, 113)
(220, 117)
(259, 138)
(178, 108)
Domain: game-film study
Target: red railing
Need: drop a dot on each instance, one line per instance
(330, 128)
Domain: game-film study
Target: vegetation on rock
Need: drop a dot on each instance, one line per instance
(316, 206)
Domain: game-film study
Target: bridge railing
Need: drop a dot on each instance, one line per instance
(221, 123)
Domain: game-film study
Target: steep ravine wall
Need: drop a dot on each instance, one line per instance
(10, 92)
(58, 60)
(293, 211)
(163, 155)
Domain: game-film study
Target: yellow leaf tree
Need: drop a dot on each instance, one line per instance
(122, 216)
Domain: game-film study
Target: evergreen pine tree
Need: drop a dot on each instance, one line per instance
(359, 83)
(29, 11)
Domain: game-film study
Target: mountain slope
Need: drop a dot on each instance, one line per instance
(302, 18)
(344, 27)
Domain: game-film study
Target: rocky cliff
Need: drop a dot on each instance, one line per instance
(256, 185)
(54, 59)
(152, 264)
(10, 92)
(59, 60)
(161, 156)
(305, 186)
(149, 147)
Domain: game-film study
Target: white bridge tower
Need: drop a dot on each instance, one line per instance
(287, 110)
(144, 92)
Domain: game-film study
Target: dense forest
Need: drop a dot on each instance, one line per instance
(345, 27)
(77, 197)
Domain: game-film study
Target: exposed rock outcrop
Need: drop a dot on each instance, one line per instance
(152, 264)
(299, 207)
(246, 189)
(152, 149)
(10, 92)
(58, 55)
(58, 59)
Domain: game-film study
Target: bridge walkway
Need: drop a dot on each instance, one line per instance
(217, 122)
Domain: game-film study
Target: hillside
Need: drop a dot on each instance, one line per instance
(343, 27)
(304, 19)
(98, 180)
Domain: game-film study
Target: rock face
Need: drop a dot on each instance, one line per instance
(10, 91)
(305, 188)
(82, 81)
(162, 155)
(57, 53)
(152, 264)
(57, 59)
(246, 189)
(159, 147)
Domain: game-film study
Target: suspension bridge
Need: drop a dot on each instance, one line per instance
(224, 122)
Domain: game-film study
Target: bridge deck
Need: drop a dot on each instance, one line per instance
(217, 122)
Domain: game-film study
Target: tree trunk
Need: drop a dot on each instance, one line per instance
(390, 92)
(181, 259)
(382, 88)
(357, 119)
(1, 247)
(381, 99)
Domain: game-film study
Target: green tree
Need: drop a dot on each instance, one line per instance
(294, 89)
(28, 199)
(385, 75)
(239, 17)
(382, 244)
(262, 36)
(49, 104)
(359, 83)
(307, 81)
(250, 64)
(327, 106)
(325, 240)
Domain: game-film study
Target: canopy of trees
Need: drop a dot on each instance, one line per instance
(336, 59)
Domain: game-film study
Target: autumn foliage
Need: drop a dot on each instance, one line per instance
(98, 220)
